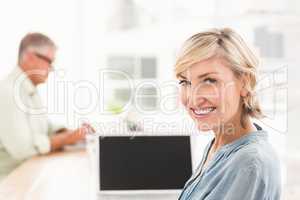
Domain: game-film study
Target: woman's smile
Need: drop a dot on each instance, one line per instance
(203, 112)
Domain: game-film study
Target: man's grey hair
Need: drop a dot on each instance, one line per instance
(34, 42)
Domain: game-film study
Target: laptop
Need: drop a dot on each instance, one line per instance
(141, 167)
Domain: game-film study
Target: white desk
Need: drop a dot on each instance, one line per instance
(62, 175)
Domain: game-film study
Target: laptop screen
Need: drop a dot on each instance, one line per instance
(144, 163)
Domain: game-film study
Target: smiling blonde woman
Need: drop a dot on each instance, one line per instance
(217, 77)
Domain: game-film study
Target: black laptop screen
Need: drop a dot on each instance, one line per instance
(144, 163)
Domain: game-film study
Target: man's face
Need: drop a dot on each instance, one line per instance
(39, 64)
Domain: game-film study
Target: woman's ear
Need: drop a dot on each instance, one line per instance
(244, 92)
(245, 80)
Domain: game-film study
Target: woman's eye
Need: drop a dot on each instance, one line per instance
(184, 82)
(209, 80)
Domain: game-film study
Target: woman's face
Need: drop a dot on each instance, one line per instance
(211, 94)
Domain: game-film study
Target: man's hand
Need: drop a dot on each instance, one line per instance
(89, 127)
(76, 135)
(69, 137)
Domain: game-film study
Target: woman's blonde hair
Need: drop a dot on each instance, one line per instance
(227, 44)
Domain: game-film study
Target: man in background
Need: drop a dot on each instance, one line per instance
(25, 131)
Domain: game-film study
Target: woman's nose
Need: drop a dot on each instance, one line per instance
(194, 98)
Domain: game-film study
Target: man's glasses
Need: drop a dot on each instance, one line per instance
(45, 58)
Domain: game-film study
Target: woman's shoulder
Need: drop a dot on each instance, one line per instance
(256, 155)
(258, 160)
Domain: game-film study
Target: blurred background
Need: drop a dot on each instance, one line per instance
(116, 59)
